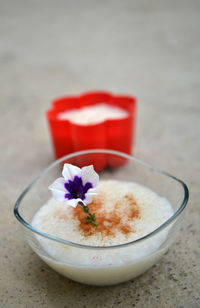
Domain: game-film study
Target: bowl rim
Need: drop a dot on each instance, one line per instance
(105, 151)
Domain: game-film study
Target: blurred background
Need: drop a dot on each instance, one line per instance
(149, 49)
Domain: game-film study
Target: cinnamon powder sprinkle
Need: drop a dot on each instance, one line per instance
(109, 222)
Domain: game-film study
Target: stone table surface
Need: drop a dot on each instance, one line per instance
(150, 49)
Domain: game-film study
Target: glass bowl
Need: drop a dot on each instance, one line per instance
(113, 264)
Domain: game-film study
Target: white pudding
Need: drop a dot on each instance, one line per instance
(124, 212)
(93, 114)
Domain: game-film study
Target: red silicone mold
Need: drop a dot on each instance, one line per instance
(111, 134)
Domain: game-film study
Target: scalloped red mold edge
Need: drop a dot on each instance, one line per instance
(116, 135)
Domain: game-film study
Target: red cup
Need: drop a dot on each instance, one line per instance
(112, 134)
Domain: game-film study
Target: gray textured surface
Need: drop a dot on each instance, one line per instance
(150, 49)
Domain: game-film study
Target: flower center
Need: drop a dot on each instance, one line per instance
(76, 189)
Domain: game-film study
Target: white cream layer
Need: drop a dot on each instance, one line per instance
(93, 114)
(154, 210)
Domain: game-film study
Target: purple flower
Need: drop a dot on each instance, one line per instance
(76, 185)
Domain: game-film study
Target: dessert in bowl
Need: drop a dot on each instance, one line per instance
(92, 120)
(138, 213)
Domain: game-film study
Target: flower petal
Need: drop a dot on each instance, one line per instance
(88, 174)
(73, 202)
(88, 199)
(70, 171)
(86, 187)
(92, 191)
(58, 184)
(58, 190)
(58, 195)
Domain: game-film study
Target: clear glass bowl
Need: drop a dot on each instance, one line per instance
(115, 264)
